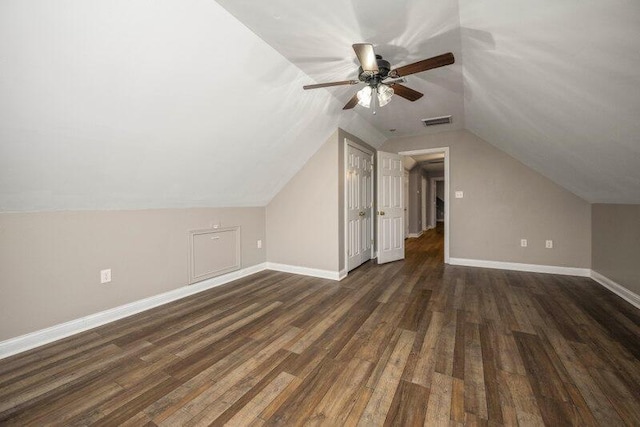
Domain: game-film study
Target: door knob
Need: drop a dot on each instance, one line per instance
(362, 214)
(381, 213)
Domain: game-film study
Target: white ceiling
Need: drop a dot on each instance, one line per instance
(317, 36)
(127, 104)
(554, 84)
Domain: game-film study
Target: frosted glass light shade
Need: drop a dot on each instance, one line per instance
(384, 95)
(364, 96)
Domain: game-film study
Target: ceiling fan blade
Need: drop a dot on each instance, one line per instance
(366, 56)
(352, 102)
(406, 93)
(344, 82)
(425, 64)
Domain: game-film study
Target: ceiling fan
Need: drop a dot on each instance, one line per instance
(381, 81)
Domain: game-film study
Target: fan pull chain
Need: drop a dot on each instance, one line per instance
(374, 99)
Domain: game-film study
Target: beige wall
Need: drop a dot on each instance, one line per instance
(302, 220)
(616, 243)
(505, 201)
(50, 261)
(305, 221)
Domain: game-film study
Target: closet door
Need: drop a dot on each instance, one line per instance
(359, 202)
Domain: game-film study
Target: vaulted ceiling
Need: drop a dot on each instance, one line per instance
(554, 84)
(127, 104)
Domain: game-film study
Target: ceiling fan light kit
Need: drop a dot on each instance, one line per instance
(382, 81)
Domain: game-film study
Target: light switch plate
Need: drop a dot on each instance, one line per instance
(523, 243)
(459, 194)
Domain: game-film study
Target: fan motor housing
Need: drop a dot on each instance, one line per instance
(383, 70)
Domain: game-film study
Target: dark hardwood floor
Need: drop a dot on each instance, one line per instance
(408, 343)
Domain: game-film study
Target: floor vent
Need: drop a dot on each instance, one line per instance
(437, 121)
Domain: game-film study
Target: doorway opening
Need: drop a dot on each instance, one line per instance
(427, 208)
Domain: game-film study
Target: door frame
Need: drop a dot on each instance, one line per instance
(373, 253)
(423, 201)
(432, 208)
(406, 178)
(447, 182)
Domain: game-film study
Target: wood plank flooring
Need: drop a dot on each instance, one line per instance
(410, 343)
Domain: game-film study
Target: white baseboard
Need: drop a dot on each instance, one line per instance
(617, 289)
(534, 268)
(415, 235)
(44, 336)
(306, 271)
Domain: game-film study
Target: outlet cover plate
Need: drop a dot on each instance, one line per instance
(105, 276)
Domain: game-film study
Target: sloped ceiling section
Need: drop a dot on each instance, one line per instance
(554, 84)
(317, 37)
(559, 89)
(149, 104)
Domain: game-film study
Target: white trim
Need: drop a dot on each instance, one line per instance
(44, 336)
(306, 271)
(534, 268)
(423, 201)
(447, 180)
(415, 235)
(405, 201)
(345, 154)
(342, 274)
(616, 288)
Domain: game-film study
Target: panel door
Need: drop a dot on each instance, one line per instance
(390, 210)
(359, 207)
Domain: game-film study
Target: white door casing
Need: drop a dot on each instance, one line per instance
(390, 175)
(423, 181)
(447, 180)
(359, 205)
(405, 195)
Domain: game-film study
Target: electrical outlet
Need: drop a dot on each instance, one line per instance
(548, 244)
(523, 243)
(105, 276)
(259, 244)
(459, 194)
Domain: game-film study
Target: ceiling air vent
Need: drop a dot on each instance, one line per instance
(437, 121)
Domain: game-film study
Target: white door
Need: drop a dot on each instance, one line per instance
(390, 207)
(359, 207)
